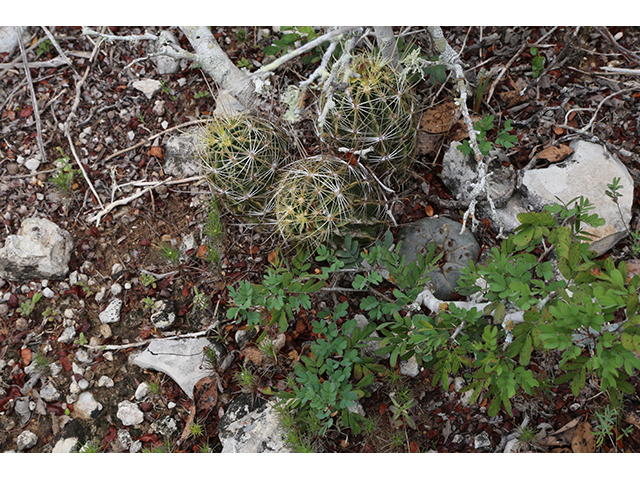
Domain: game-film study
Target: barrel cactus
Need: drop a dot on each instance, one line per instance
(376, 111)
(457, 250)
(241, 157)
(322, 199)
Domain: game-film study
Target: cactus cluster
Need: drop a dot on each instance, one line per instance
(241, 157)
(321, 199)
(376, 111)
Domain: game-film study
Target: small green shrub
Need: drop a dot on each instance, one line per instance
(484, 126)
(63, 178)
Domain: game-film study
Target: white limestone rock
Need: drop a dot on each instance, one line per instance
(129, 413)
(39, 250)
(111, 314)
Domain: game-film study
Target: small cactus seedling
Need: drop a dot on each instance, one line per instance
(241, 157)
(321, 199)
(376, 111)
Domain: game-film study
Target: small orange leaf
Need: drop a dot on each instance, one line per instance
(157, 152)
(25, 353)
(428, 210)
(202, 251)
(555, 154)
(272, 256)
(413, 447)
(254, 250)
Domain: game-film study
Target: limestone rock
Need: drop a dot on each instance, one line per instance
(163, 315)
(166, 65)
(180, 154)
(87, 407)
(147, 86)
(111, 314)
(26, 440)
(586, 172)
(40, 250)
(257, 431)
(129, 413)
(182, 359)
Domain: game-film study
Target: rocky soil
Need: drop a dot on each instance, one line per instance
(54, 386)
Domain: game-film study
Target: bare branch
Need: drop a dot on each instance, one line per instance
(34, 99)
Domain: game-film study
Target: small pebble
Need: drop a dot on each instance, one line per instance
(105, 382)
(116, 289)
(129, 413)
(48, 293)
(26, 440)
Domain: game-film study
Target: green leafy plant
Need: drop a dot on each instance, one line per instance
(196, 430)
(199, 299)
(287, 41)
(323, 387)
(63, 178)
(140, 117)
(154, 388)
(92, 446)
(402, 403)
(148, 302)
(201, 94)
(608, 426)
(574, 315)
(148, 280)
(613, 192)
(246, 379)
(484, 126)
(537, 63)
(81, 340)
(284, 290)
(244, 63)
(43, 47)
(26, 308)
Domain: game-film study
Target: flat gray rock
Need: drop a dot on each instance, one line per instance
(182, 359)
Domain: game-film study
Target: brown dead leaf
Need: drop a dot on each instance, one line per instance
(555, 154)
(187, 427)
(253, 354)
(633, 269)
(511, 98)
(272, 256)
(202, 251)
(583, 441)
(205, 395)
(157, 152)
(25, 353)
(633, 418)
(563, 436)
(561, 450)
(427, 143)
(428, 210)
(440, 119)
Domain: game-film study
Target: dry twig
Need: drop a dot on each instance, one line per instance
(34, 99)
